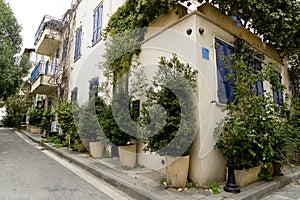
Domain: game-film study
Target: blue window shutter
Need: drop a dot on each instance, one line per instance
(258, 84)
(231, 91)
(277, 93)
(225, 87)
(275, 97)
(259, 89)
(97, 26)
(78, 43)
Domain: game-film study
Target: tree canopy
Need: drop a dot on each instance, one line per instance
(12, 68)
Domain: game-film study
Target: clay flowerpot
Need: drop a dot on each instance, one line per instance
(96, 149)
(127, 155)
(177, 171)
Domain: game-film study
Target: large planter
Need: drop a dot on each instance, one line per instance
(35, 130)
(127, 155)
(96, 149)
(79, 146)
(177, 171)
(85, 142)
(246, 176)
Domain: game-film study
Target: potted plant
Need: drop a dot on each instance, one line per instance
(117, 127)
(65, 115)
(171, 133)
(89, 128)
(46, 120)
(35, 119)
(252, 130)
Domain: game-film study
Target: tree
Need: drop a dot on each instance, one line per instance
(16, 109)
(12, 68)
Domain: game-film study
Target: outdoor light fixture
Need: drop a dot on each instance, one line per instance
(201, 31)
(189, 31)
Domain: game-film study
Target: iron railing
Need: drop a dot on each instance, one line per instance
(46, 68)
(50, 22)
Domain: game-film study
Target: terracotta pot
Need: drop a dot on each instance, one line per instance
(127, 155)
(177, 169)
(96, 149)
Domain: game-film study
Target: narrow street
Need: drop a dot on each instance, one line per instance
(30, 172)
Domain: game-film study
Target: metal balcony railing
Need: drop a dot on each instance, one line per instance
(50, 22)
(46, 68)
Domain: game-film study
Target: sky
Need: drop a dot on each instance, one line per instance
(29, 14)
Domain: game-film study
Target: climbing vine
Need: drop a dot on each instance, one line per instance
(125, 31)
(276, 22)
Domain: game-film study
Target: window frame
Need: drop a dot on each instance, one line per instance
(225, 89)
(97, 23)
(77, 49)
(93, 88)
(223, 86)
(278, 94)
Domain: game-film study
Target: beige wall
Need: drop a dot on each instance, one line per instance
(207, 164)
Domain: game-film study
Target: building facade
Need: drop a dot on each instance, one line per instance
(72, 49)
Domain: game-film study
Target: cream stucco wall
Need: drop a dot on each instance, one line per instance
(206, 164)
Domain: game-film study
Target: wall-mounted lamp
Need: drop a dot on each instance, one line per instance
(201, 31)
(189, 31)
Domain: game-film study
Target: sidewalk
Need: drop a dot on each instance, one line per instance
(142, 183)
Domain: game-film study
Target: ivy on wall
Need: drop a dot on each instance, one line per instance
(126, 29)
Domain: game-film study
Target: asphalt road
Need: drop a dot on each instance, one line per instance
(27, 171)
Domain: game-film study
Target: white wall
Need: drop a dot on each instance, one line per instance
(88, 66)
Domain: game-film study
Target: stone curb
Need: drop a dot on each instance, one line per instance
(119, 183)
(265, 189)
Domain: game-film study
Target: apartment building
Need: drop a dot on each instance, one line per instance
(72, 51)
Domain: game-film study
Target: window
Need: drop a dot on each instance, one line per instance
(78, 43)
(97, 26)
(258, 84)
(225, 86)
(93, 89)
(74, 94)
(277, 93)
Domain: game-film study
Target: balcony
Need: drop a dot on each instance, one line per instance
(42, 78)
(48, 36)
